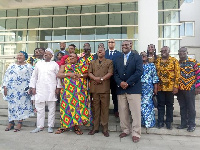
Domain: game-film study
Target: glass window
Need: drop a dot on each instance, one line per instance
(60, 10)
(172, 4)
(73, 34)
(20, 47)
(45, 35)
(59, 22)
(2, 24)
(12, 13)
(21, 35)
(73, 21)
(102, 8)
(188, 1)
(55, 46)
(2, 13)
(34, 12)
(189, 29)
(101, 33)
(88, 20)
(46, 11)
(46, 22)
(130, 19)
(10, 36)
(22, 23)
(115, 19)
(59, 35)
(33, 23)
(32, 35)
(23, 12)
(129, 6)
(31, 47)
(11, 23)
(87, 34)
(101, 20)
(10, 49)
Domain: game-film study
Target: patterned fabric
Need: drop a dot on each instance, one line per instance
(16, 79)
(33, 61)
(152, 59)
(86, 61)
(148, 79)
(190, 74)
(75, 104)
(168, 73)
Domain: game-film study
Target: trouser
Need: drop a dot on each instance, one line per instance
(113, 87)
(101, 104)
(40, 107)
(132, 102)
(186, 101)
(165, 98)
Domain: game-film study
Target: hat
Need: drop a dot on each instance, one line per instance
(49, 50)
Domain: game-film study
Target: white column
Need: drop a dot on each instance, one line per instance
(147, 24)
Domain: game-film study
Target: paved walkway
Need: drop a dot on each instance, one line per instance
(24, 140)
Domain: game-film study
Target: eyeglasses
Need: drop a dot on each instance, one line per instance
(111, 42)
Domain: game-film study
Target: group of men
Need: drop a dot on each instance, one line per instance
(121, 72)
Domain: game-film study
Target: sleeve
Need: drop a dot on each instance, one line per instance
(177, 73)
(154, 74)
(30, 71)
(34, 76)
(116, 75)
(197, 72)
(6, 76)
(58, 80)
(138, 73)
(90, 67)
(110, 69)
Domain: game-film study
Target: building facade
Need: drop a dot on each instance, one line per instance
(25, 25)
(189, 30)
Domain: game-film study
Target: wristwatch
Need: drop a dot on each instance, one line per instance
(101, 79)
(81, 75)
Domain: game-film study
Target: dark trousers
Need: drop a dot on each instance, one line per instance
(100, 106)
(186, 101)
(165, 98)
(113, 87)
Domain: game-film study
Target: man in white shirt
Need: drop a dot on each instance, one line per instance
(45, 85)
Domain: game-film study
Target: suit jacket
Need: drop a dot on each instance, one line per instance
(130, 73)
(115, 54)
(56, 53)
(100, 70)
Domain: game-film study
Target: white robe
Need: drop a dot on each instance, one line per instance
(45, 81)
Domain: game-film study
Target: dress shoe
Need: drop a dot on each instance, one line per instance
(106, 134)
(160, 125)
(123, 135)
(182, 127)
(169, 126)
(191, 129)
(92, 132)
(135, 139)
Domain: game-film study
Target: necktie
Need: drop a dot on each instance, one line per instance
(111, 55)
(125, 60)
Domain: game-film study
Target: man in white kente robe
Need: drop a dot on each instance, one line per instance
(45, 85)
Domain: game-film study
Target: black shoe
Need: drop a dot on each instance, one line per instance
(182, 127)
(191, 129)
(160, 125)
(169, 126)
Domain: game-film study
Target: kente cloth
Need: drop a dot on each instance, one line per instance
(75, 104)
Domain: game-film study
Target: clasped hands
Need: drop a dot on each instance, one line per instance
(97, 80)
(124, 85)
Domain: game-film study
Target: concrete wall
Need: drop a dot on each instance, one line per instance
(190, 12)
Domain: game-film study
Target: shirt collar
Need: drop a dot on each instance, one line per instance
(127, 55)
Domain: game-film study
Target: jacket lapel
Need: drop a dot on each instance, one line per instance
(129, 59)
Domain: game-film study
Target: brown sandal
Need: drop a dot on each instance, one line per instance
(78, 131)
(59, 131)
(19, 125)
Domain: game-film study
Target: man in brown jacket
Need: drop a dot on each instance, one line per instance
(100, 71)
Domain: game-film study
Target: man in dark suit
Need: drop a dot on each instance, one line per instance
(62, 49)
(112, 54)
(127, 73)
